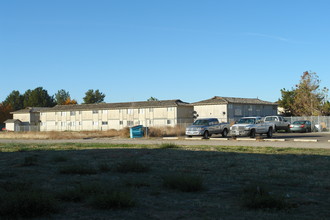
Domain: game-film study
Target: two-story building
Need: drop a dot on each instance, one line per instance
(105, 116)
(229, 109)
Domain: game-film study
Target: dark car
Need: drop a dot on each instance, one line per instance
(301, 126)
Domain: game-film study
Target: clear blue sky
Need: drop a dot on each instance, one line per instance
(169, 49)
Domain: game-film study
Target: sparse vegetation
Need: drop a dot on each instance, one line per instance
(168, 146)
(131, 166)
(257, 196)
(183, 182)
(78, 168)
(197, 182)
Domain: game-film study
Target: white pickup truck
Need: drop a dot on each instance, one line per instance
(250, 126)
(206, 127)
(280, 123)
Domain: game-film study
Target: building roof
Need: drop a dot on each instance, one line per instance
(120, 105)
(29, 110)
(231, 100)
(12, 121)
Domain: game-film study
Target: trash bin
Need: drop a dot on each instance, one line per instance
(136, 131)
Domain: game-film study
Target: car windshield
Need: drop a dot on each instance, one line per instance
(298, 122)
(247, 121)
(201, 122)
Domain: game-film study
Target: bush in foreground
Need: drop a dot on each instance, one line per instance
(112, 200)
(257, 196)
(131, 166)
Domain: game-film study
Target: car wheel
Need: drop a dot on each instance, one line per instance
(287, 130)
(224, 133)
(270, 133)
(252, 133)
(206, 135)
(189, 136)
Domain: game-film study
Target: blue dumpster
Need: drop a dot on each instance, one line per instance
(136, 131)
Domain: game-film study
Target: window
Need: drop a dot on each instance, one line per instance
(169, 122)
(73, 123)
(95, 123)
(105, 111)
(150, 122)
(151, 110)
(95, 111)
(130, 123)
(63, 113)
(63, 124)
(120, 122)
(141, 110)
(130, 111)
(72, 113)
(104, 123)
(170, 109)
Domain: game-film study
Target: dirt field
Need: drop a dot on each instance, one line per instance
(227, 182)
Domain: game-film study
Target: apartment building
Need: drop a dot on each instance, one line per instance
(105, 116)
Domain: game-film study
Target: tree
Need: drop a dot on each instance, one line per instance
(70, 102)
(308, 98)
(286, 102)
(61, 96)
(38, 97)
(92, 96)
(5, 110)
(15, 100)
(152, 99)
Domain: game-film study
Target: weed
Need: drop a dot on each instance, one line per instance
(183, 182)
(257, 196)
(82, 169)
(131, 166)
(104, 167)
(168, 146)
(112, 200)
(30, 161)
(59, 158)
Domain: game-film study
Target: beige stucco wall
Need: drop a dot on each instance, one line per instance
(212, 111)
(106, 119)
(23, 117)
(10, 126)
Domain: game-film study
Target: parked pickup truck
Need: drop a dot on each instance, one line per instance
(250, 126)
(206, 127)
(280, 123)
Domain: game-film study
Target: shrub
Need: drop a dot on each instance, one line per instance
(20, 200)
(257, 196)
(112, 200)
(82, 169)
(183, 182)
(131, 166)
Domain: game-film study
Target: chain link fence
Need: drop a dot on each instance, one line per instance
(319, 123)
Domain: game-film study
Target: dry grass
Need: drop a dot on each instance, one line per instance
(237, 182)
(123, 133)
(166, 131)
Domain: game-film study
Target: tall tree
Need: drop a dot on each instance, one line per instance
(61, 96)
(38, 97)
(309, 98)
(92, 96)
(15, 100)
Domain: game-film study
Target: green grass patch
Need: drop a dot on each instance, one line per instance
(169, 146)
(183, 182)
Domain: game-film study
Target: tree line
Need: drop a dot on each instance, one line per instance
(39, 97)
